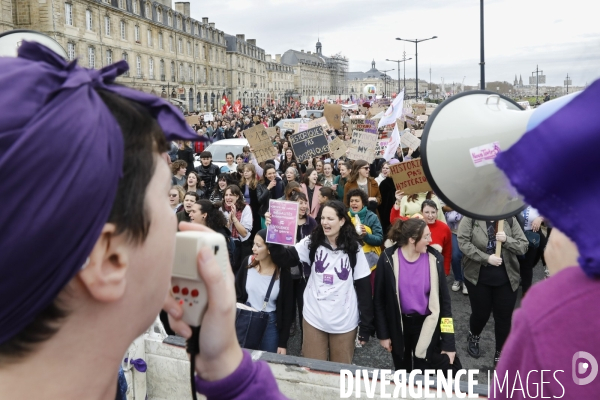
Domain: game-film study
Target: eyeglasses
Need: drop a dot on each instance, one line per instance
(173, 195)
(365, 167)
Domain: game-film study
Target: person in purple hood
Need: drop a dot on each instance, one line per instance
(554, 345)
(89, 270)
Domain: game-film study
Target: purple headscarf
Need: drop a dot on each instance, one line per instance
(61, 157)
(555, 167)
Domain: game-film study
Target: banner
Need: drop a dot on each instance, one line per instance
(409, 177)
(363, 146)
(394, 111)
(309, 143)
(333, 115)
(261, 143)
(394, 142)
(284, 220)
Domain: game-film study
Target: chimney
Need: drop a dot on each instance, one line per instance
(204, 20)
(268, 58)
(241, 37)
(252, 42)
(278, 58)
(183, 8)
(302, 51)
(167, 3)
(308, 52)
(212, 25)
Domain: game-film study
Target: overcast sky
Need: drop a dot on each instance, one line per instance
(561, 37)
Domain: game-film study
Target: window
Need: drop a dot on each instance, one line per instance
(122, 4)
(170, 19)
(108, 57)
(71, 50)
(107, 25)
(134, 5)
(149, 37)
(180, 45)
(138, 66)
(88, 20)
(171, 43)
(148, 12)
(181, 72)
(161, 66)
(196, 50)
(160, 40)
(151, 68)
(136, 34)
(190, 74)
(189, 48)
(172, 71)
(91, 57)
(69, 14)
(126, 59)
(179, 24)
(123, 30)
(159, 14)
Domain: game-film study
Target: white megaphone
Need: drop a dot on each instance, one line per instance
(460, 142)
(11, 41)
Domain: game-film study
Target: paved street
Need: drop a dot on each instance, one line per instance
(373, 355)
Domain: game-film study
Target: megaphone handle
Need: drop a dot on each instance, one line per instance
(499, 244)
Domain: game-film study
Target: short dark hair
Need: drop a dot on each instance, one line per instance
(143, 142)
(229, 154)
(328, 192)
(430, 203)
(206, 154)
(177, 164)
(401, 231)
(191, 193)
(357, 193)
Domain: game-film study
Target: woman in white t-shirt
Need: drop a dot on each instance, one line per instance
(337, 298)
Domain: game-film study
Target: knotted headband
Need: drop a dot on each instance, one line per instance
(61, 157)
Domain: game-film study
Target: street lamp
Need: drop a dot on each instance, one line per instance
(416, 42)
(385, 71)
(404, 59)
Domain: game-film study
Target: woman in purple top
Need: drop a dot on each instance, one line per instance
(413, 317)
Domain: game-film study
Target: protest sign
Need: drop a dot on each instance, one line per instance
(409, 177)
(376, 110)
(209, 117)
(363, 146)
(290, 125)
(372, 126)
(382, 144)
(272, 132)
(410, 141)
(337, 148)
(319, 122)
(333, 115)
(309, 143)
(259, 139)
(192, 120)
(302, 127)
(284, 219)
(418, 109)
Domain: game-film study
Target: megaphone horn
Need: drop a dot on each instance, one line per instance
(459, 144)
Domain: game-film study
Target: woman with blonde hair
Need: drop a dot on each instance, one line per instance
(176, 195)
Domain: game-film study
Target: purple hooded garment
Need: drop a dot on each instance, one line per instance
(61, 157)
(564, 190)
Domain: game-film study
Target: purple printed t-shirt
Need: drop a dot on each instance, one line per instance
(414, 284)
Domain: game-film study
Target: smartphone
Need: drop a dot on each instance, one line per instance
(186, 285)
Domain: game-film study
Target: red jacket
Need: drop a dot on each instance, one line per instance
(441, 235)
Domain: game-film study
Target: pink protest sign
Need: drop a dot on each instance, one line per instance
(284, 217)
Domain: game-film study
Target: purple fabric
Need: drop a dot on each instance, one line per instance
(250, 381)
(138, 364)
(564, 191)
(557, 319)
(414, 284)
(61, 157)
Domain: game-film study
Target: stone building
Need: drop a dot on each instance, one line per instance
(280, 80)
(246, 74)
(169, 53)
(357, 81)
(316, 75)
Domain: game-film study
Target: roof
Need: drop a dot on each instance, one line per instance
(372, 73)
(293, 57)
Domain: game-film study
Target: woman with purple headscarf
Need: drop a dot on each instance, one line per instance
(94, 264)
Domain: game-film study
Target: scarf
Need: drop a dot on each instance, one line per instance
(238, 214)
(372, 253)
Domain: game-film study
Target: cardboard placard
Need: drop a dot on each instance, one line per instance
(289, 125)
(272, 132)
(309, 143)
(192, 120)
(363, 146)
(337, 148)
(284, 220)
(209, 117)
(418, 109)
(372, 126)
(409, 177)
(261, 143)
(376, 110)
(319, 122)
(382, 144)
(333, 115)
(411, 141)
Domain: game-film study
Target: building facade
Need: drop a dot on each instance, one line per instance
(246, 73)
(280, 80)
(384, 86)
(317, 76)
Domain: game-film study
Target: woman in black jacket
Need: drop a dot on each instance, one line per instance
(275, 187)
(413, 316)
(186, 154)
(255, 194)
(251, 285)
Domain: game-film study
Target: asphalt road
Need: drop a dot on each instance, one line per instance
(374, 356)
